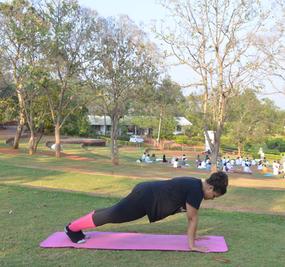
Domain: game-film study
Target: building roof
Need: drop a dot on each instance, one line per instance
(99, 120)
(182, 121)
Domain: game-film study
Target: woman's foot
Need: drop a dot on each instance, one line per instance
(75, 237)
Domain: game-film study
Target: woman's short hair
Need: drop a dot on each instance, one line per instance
(219, 180)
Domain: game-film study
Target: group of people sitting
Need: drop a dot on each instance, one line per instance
(179, 162)
(238, 164)
(246, 165)
(147, 158)
(277, 168)
(203, 163)
(176, 162)
(225, 164)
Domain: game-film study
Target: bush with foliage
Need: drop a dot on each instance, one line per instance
(124, 137)
(276, 144)
(181, 139)
(77, 124)
(186, 140)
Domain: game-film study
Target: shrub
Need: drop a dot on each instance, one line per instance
(124, 137)
(185, 140)
(276, 144)
(272, 151)
(181, 139)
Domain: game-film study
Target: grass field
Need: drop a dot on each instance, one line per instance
(40, 194)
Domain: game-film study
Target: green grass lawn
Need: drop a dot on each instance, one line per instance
(29, 215)
(40, 195)
(118, 181)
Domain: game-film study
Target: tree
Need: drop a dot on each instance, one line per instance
(194, 114)
(125, 65)
(35, 103)
(8, 103)
(215, 40)
(19, 27)
(167, 99)
(271, 42)
(251, 120)
(77, 123)
(68, 49)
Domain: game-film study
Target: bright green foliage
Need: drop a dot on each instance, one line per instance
(22, 35)
(165, 101)
(77, 124)
(251, 121)
(8, 104)
(194, 114)
(276, 143)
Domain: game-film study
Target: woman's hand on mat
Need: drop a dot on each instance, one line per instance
(199, 249)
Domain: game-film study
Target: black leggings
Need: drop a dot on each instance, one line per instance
(128, 209)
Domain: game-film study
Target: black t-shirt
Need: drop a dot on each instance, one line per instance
(164, 198)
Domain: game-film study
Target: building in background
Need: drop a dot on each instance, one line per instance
(102, 126)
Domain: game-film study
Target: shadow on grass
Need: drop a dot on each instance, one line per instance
(10, 173)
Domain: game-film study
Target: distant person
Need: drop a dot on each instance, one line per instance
(238, 161)
(275, 168)
(53, 147)
(266, 162)
(148, 159)
(261, 154)
(246, 168)
(164, 159)
(143, 157)
(153, 158)
(183, 160)
(260, 165)
(208, 164)
(198, 161)
(176, 163)
(202, 165)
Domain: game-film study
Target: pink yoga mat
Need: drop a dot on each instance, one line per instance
(134, 241)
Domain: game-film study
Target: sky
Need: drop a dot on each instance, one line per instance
(145, 13)
(139, 11)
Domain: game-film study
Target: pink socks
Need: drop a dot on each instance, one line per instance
(82, 223)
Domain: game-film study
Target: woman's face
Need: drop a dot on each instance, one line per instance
(209, 193)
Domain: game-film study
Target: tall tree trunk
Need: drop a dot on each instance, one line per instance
(159, 127)
(57, 140)
(21, 121)
(114, 143)
(219, 131)
(239, 149)
(40, 134)
(38, 139)
(32, 142)
(19, 131)
(216, 149)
